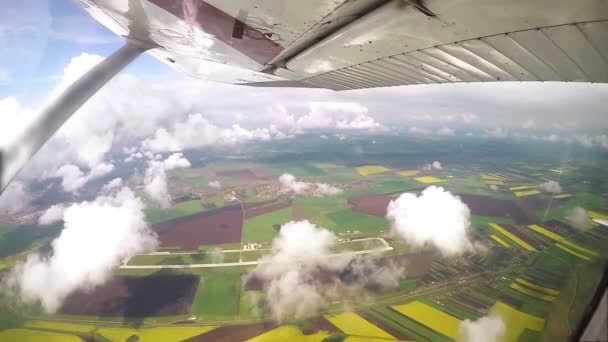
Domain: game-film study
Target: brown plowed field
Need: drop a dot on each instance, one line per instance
(216, 226)
(299, 212)
(247, 174)
(522, 236)
(371, 204)
(488, 206)
(261, 208)
(156, 295)
(230, 333)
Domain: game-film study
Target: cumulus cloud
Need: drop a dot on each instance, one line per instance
(290, 184)
(73, 178)
(485, 329)
(419, 130)
(436, 217)
(15, 197)
(436, 165)
(113, 184)
(96, 237)
(196, 131)
(155, 178)
(551, 186)
(333, 115)
(577, 216)
(465, 118)
(215, 184)
(301, 276)
(528, 124)
(52, 215)
(445, 131)
(496, 133)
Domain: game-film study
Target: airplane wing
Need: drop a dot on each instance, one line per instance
(355, 44)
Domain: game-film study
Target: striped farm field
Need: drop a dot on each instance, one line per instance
(514, 238)
(494, 182)
(158, 334)
(26, 335)
(575, 253)
(499, 240)
(61, 326)
(531, 285)
(562, 240)
(532, 293)
(366, 339)
(430, 317)
(428, 180)
(352, 324)
(289, 333)
(526, 193)
(562, 196)
(372, 169)
(597, 215)
(516, 321)
(523, 187)
(408, 173)
(492, 177)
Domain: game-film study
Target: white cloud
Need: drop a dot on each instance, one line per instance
(73, 178)
(577, 216)
(113, 184)
(291, 278)
(333, 115)
(551, 186)
(496, 133)
(436, 165)
(465, 118)
(436, 217)
(528, 124)
(485, 329)
(419, 130)
(215, 184)
(196, 132)
(155, 178)
(15, 197)
(290, 184)
(52, 215)
(445, 131)
(96, 237)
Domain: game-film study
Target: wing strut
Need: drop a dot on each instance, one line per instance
(17, 153)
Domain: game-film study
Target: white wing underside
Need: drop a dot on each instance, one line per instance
(350, 44)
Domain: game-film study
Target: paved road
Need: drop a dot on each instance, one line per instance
(125, 262)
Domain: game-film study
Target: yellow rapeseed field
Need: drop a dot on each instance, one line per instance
(526, 193)
(560, 196)
(372, 169)
(532, 293)
(597, 215)
(352, 324)
(516, 321)
(562, 240)
(499, 240)
(289, 333)
(26, 335)
(514, 238)
(61, 326)
(575, 253)
(408, 173)
(429, 316)
(537, 287)
(157, 334)
(428, 179)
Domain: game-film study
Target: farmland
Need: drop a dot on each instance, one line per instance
(535, 268)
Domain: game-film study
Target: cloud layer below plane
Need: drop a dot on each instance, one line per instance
(290, 184)
(155, 178)
(416, 219)
(301, 275)
(96, 237)
(485, 329)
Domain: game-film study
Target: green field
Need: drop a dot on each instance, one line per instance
(265, 227)
(218, 294)
(347, 219)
